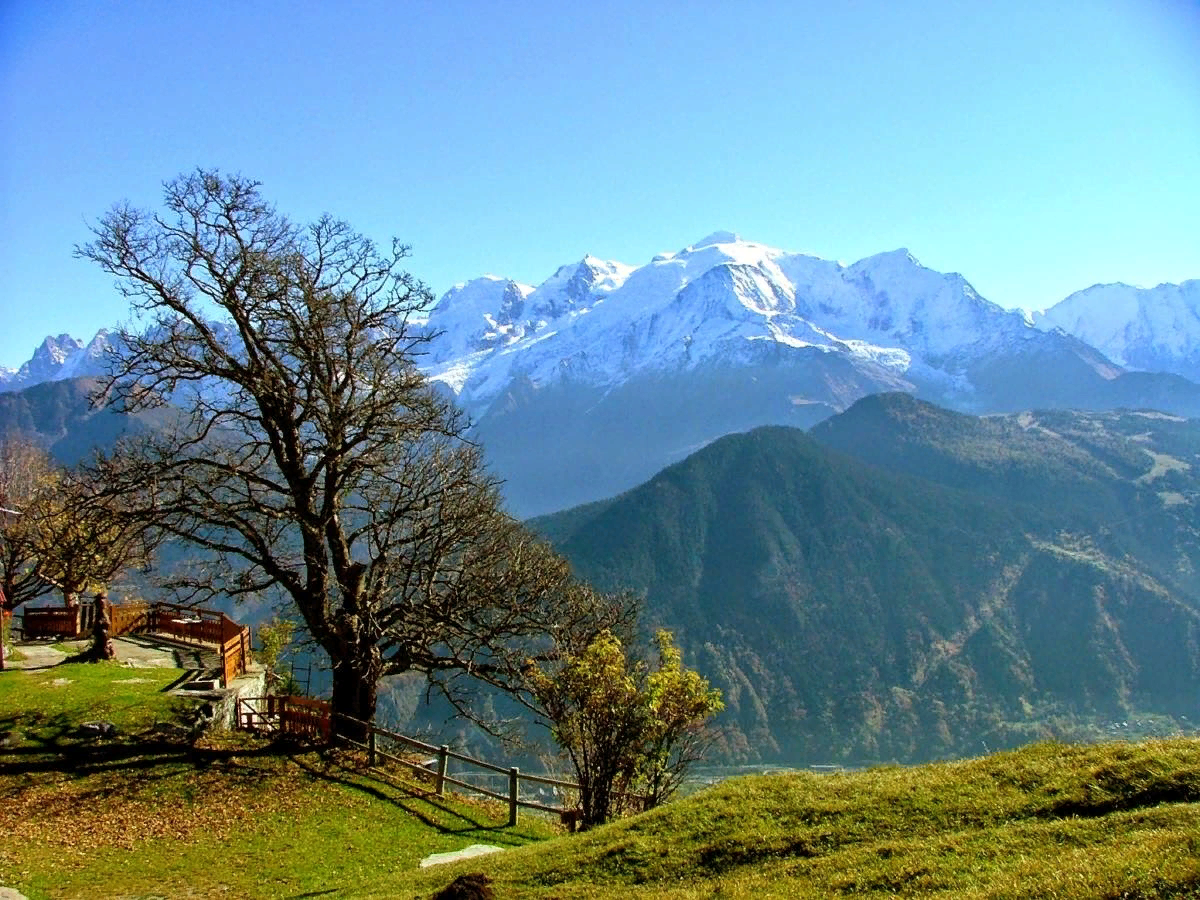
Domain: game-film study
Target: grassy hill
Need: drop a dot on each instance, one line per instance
(151, 814)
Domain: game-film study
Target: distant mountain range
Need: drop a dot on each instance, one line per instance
(907, 582)
(59, 359)
(595, 379)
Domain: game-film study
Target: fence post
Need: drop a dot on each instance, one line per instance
(514, 778)
(371, 747)
(443, 761)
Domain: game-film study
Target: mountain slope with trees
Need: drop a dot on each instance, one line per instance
(979, 582)
(66, 419)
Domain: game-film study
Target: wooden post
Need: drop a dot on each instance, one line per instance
(514, 778)
(371, 747)
(443, 761)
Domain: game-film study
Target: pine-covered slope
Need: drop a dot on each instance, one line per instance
(60, 416)
(1010, 578)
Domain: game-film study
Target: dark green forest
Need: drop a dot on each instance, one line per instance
(906, 583)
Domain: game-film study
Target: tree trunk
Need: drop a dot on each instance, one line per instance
(596, 801)
(102, 645)
(355, 694)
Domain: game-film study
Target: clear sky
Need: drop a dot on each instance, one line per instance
(1037, 147)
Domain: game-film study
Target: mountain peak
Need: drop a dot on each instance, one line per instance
(718, 237)
(901, 256)
(58, 357)
(1152, 329)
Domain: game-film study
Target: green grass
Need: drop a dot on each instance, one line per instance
(1050, 821)
(151, 812)
(151, 815)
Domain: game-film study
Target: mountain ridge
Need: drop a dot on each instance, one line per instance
(725, 335)
(1150, 329)
(595, 379)
(855, 609)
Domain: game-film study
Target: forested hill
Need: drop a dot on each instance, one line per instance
(61, 417)
(976, 583)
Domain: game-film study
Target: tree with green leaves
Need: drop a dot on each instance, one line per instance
(274, 641)
(312, 458)
(629, 729)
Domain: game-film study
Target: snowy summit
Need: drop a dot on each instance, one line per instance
(720, 299)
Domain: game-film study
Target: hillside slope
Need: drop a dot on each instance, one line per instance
(150, 812)
(61, 417)
(850, 612)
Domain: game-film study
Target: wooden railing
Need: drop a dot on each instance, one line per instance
(77, 621)
(300, 716)
(306, 717)
(205, 626)
(129, 618)
(442, 755)
(57, 622)
(187, 623)
(235, 649)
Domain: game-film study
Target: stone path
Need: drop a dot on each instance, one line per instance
(137, 652)
(438, 859)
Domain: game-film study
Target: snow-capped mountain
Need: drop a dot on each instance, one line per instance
(728, 302)
(597, 378)
(604, 373)
(719, 300)
(59, 358)
(1151, 329)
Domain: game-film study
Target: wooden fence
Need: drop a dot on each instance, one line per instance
(306, 717)
(300, 716)
(235, 649)
(60, 622)
(129, 618)
(77, 621)
(204, 626)
(185, 623)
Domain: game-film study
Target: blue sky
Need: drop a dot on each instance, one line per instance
(1035, 147)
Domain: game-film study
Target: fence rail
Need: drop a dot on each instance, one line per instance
(283, 714)
(50, 623)
(186, 623)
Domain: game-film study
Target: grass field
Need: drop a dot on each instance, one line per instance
(148, 814)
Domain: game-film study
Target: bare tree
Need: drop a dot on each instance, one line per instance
(313, 457)
(27, 475)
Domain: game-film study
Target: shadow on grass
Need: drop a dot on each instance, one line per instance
(58, 744)
(52, 745)
(342, 767)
